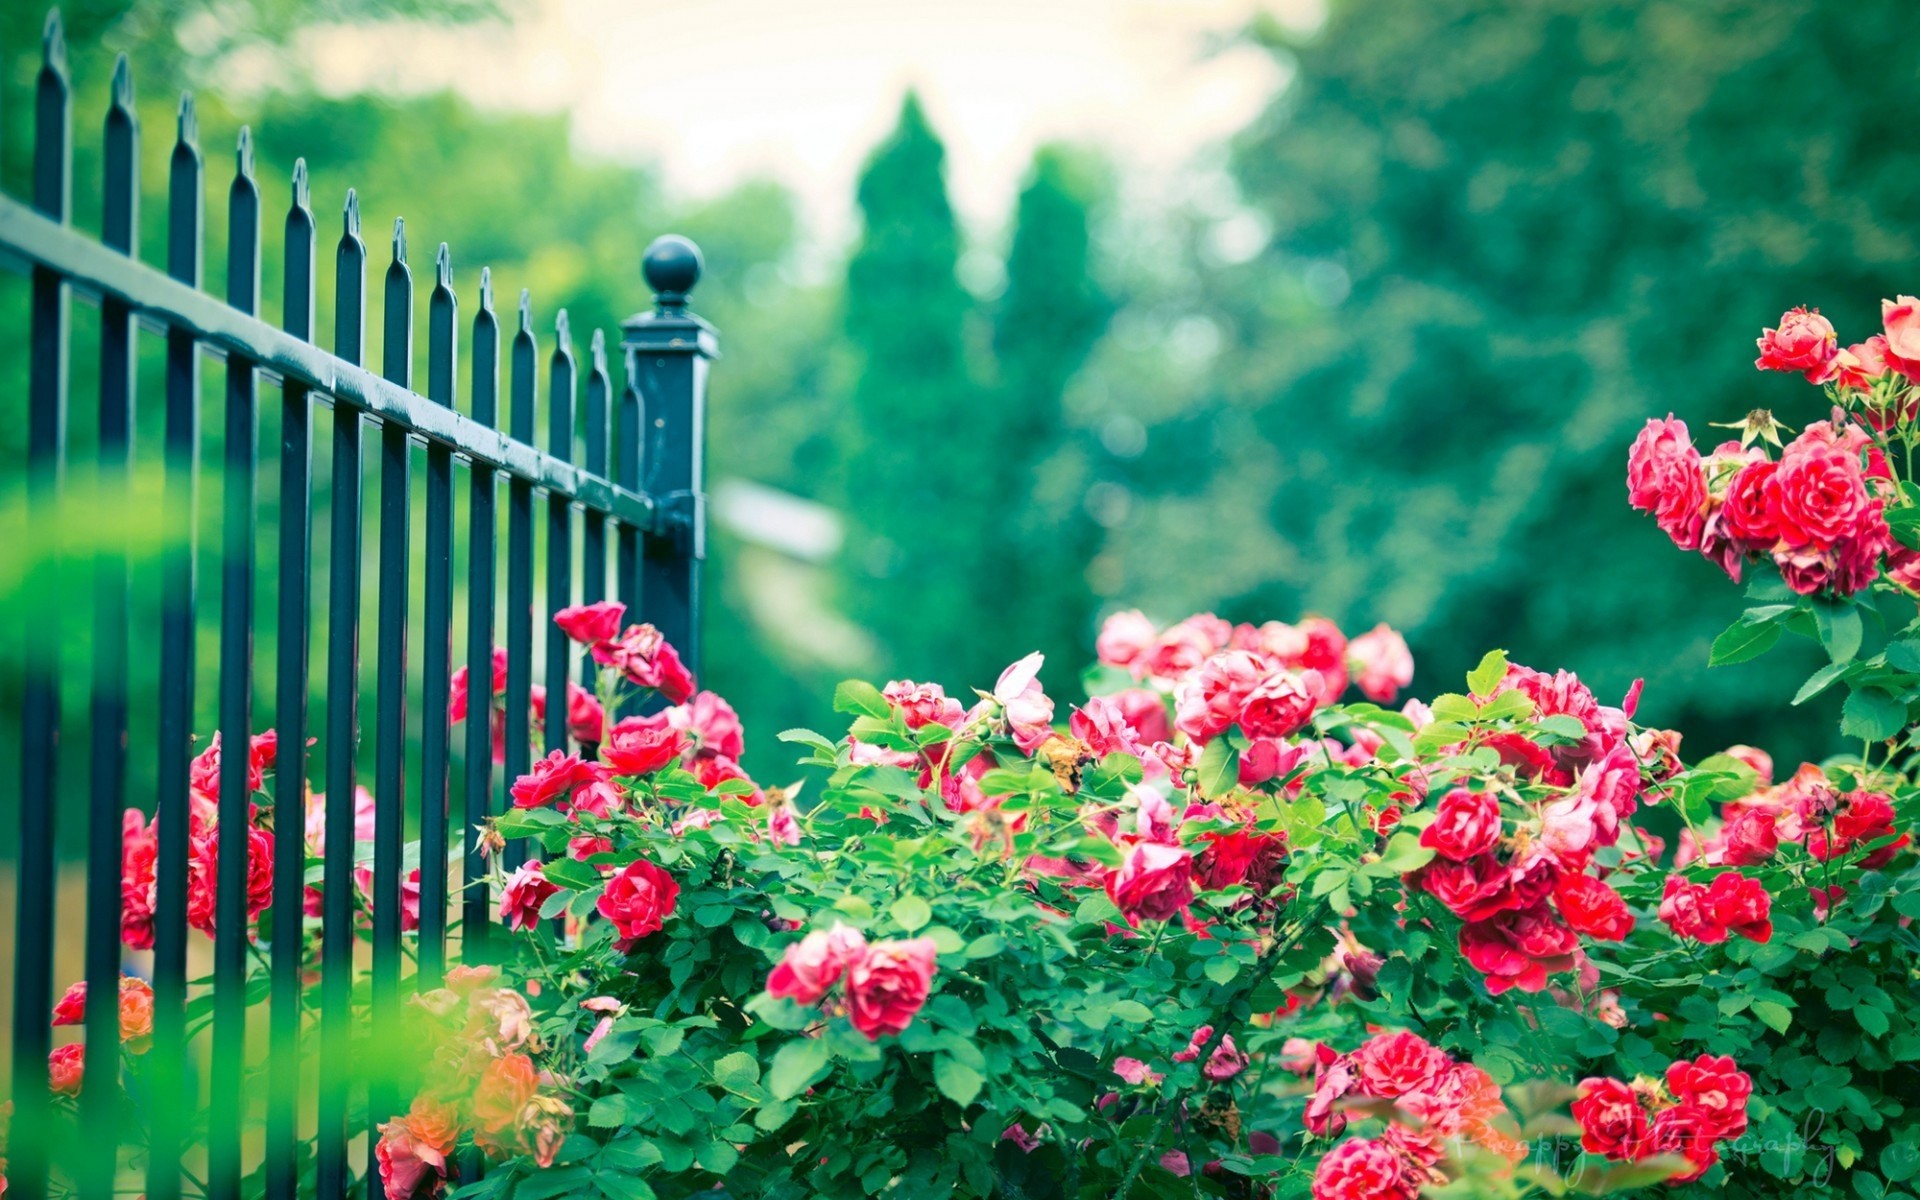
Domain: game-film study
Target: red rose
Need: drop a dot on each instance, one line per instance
(1466, 825)
(591, 624)
(526, 891)
(1592, 907)
(811, 966)
(1804, 342)
(413, 1150)
(1280, 706)
(1155, 882)
(586, 720)
(1741, 904)
(1684, 907)
(1361, 1169)
(887, 986)
(1685, 1130)
(555, 776)
(638, 901)
(1744, 513)
(1716, 1086)
(922, 704)
(1473, 890)
(1862, 817)
(645, 658)
(641, 746)
(1519, 949)
(1238, 856)
(1612, 1123)
(1392, 1064)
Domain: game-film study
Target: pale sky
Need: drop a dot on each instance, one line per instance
(717, 91)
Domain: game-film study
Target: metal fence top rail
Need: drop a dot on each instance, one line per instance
(162, 303)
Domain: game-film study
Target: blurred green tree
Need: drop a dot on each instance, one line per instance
(1506, 232)
(923, 565)
(1046, 324)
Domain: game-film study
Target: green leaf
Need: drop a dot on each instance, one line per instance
(1741, 642)
(1492, 669)
(1219, 768)
(861, 698)
(797, 1066)
(1872, 714)
(736, 1070)
(1900, 1161)
(1904, 656)
(911, 912)
(609, 1111)
(985, 946)
(1222, 969)
(807, 737)
(1132, 1012)
(773, 1116)
(957, 1081)
(1819, 681)
(570, 873)
(1774, 1015)
(1871, 1020)
(1840, 630)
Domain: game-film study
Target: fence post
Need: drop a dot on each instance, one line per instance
(667, 352)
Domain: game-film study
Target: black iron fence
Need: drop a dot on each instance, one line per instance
(636, 490)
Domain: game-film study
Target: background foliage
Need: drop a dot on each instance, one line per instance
(1494, 235)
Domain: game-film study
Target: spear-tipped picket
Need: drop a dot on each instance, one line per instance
(561, 375)
(99, 1107)
(237, 510)
(172, 1102)
(53, 124)
(343, 714)
(436, 648)
(518, 733)
(593, 533)
(290, 704)
(476, 913)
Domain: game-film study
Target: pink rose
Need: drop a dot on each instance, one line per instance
(1745, 514)
(809, 968)
(1685, 909)
(1817, 494)
(1211, 700)
(1028, 711)
(922, 704)
(1804, 342)
(526, 891)
(889, 984)
(1125, 638)
(1155, 882)
(1102, 724)
(1280, 705)
(591, 624)
(1664, 477)
(1391, 1065)
(1362, 1169)
(1901, 319)
(1384, 662)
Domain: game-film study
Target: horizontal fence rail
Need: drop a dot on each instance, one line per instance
(202, 898)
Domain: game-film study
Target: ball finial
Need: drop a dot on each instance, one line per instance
(671, 268)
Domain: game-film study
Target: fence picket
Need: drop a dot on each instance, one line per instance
(290, 708)
(120, 207)
(343, 715)
(172, 1099)
(520, 568)
(436, 650)
(481, 534)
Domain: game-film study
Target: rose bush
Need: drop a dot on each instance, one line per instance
(1235, 924)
